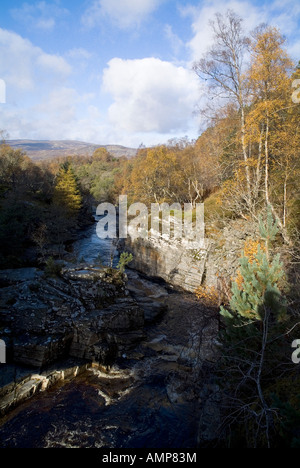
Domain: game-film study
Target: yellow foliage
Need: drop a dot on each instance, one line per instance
(250, 251)
(66, 192)
(208, 295)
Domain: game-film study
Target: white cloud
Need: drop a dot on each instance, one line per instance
(152, 99)
(284, 14)
(41, 103)
(60, 102)
(79, 53)
(62, 113)
(54, 63)
(22, 62)
(123, 13)
(176, 43)
(150, 95)
(40, 15)
(202, 32)
(25, 67)
(33, 76)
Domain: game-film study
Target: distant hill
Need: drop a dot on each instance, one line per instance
(39, 150)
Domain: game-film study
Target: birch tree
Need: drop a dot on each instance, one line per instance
(270, 85)
(222, 68)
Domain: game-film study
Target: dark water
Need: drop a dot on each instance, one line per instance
(92, 249)
(113, 411)
(148, 399)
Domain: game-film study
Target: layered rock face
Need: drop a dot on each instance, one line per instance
(214, 264)
(85, 313)
(170, 260)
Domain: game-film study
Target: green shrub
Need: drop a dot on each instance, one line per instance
(125, 259)
(52, 268)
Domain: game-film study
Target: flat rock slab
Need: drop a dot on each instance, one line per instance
(20, 275)
(43, 319)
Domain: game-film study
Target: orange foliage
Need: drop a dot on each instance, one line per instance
(250, 251)
(208, 295)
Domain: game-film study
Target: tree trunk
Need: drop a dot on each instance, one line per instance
(267, 163)
(285, 199)
(245, 156)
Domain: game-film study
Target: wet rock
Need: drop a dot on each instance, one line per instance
(19, 275)
(151, 297)
(39, 351)
(102, 332)
(19, 384)
(152, 310)
(81, 313)
(210, 416)
(150, 397)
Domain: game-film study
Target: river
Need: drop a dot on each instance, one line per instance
(153, 398)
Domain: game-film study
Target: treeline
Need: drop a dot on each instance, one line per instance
(248, 158)
(245, 161)
(42, 205)
(258, 181)
(246, 166)
(180, 171)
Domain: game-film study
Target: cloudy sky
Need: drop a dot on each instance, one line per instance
(114, 71)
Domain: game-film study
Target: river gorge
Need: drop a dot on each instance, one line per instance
(138, 371)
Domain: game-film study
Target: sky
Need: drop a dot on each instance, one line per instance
(115, 71)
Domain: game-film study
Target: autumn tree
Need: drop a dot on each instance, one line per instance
(285, 149)
(101, 154)
(66, 191)
(270, 84)
(253, 355)
(155, 176)
(24, 189)
(222, 68)
(12, 164)
(197, 166)
(96, 175)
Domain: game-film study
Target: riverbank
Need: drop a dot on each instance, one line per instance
(157, 395)
(154, 390)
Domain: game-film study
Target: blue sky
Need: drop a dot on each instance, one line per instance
(114, 71)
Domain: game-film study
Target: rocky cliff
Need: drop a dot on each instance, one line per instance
(85, 313)
(56, 328)
(212, 265)
(169, 260)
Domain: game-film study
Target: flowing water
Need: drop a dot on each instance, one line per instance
(149, 398)
(92, 249)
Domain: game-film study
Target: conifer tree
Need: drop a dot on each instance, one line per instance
(66, 192)
(254, 345)
(260, 279)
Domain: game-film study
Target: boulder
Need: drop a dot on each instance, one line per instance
(151, 297)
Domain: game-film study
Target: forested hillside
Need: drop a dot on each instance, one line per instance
(248, 158)
(43, 205)
(244, 165)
